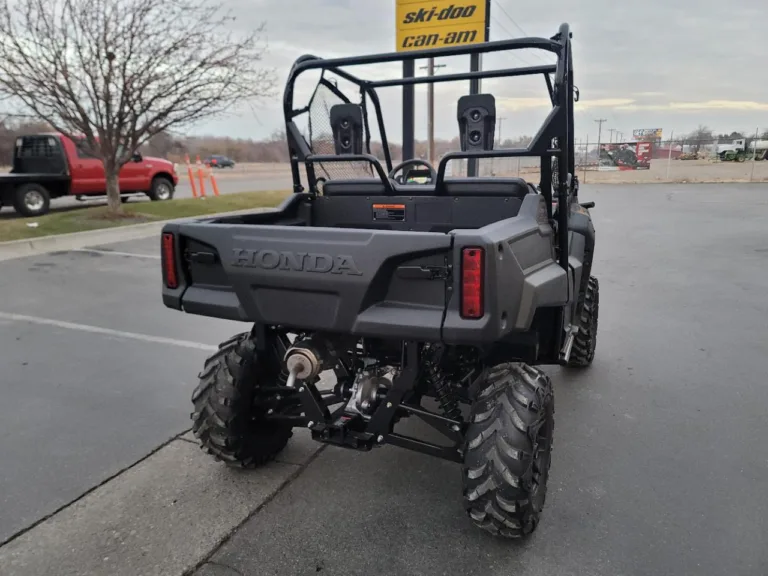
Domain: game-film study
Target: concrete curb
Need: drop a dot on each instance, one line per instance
(34, 246)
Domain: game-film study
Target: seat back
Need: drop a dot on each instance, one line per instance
(354, 187)
(468, 203)
(510, 187)
(452, 187)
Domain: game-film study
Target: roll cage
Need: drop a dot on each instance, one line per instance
(553, 142)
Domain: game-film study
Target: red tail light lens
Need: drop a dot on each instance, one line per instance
(169, 261)
(472, 275)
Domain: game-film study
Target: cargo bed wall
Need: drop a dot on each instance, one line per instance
(364, 282)
(521, 273)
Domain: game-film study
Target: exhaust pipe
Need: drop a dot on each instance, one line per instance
(303, 361)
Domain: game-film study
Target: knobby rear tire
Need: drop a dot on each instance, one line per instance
(227, 421)
(583, 351)
(507, 451)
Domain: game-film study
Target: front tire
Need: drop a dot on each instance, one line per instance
(32, 200)
(162, 189)
(228, 421)
(583, 351)
(507, 451)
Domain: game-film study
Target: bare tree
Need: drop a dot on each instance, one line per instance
(163, 144)
(702, 134)
(118, 72)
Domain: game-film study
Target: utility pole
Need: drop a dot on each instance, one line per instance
(612, 130)
(430, 67)
(599, 133)
(493, 160)
(501, 120)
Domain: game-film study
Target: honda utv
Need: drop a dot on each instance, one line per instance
(380, 293)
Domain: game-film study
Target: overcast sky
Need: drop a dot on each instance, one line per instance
(651, 64)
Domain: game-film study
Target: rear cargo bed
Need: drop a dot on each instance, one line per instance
(275, 269)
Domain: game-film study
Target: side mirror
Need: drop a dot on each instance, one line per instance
(137, 157)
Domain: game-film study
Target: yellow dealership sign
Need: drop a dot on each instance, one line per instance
(422, 25)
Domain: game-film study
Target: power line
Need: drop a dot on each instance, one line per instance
(500, 7)
(516, 54)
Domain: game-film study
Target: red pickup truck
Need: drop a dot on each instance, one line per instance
(47, 166)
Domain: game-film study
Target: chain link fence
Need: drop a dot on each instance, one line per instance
(674, 160)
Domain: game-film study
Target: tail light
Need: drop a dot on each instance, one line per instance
(169, 261)
(472, 275)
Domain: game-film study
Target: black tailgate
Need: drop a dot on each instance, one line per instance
(363, 282)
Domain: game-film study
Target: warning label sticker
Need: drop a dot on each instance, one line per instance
(391, 212)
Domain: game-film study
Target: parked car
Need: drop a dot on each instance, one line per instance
(47, 166)
(219, 161)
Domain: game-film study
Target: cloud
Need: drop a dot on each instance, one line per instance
(631, 104)
(731, 105)
(603, 103)
(720, 105)
(669, 63)
(514, 104)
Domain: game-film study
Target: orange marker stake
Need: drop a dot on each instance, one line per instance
(201, 178)
(191, 176)
(213, 184)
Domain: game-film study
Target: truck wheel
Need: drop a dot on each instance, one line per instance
(162, 189)
(32, 200)
(507, 450)
(583, 351)
(227, 420)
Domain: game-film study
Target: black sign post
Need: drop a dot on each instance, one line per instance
(409, 71)
(475, 65)
(409, 104)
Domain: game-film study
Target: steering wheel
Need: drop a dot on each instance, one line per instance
(413, 162)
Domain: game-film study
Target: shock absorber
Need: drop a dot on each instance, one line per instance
(448, 401)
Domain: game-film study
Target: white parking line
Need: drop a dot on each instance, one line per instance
(107, 331)
(113, 253)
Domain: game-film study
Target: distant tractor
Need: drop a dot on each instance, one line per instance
(739, 151)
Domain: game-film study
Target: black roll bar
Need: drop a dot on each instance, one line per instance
(480, 154)
(369, 158)
(502, 73)
(555, 138)
(311, 62)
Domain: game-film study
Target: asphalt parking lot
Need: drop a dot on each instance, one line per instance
(659, 466)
